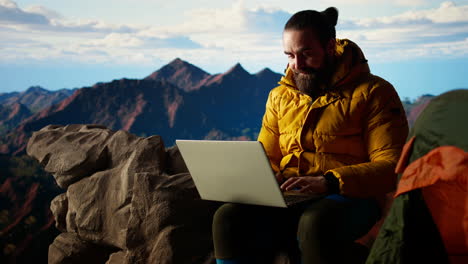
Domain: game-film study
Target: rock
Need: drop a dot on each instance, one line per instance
(117, 258)
(172, 214)
(68, 248)
(59, 208)
(70, 153)
(124, 193)
(175, 162)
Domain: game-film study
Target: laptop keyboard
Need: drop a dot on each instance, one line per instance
(294, 199)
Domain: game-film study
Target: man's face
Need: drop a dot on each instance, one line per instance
(309, 60)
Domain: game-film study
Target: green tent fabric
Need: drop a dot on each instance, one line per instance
(444, 122)
(409, 235)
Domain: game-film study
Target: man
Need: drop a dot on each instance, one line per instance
(331, 128)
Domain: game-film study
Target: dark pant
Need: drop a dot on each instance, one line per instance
(323, 228)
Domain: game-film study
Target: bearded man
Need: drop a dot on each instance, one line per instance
(330, 128)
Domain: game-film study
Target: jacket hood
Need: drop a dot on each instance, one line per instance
(350, 64)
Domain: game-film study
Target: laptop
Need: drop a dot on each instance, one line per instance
(236, 172)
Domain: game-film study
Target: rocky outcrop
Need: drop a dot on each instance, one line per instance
(128, 199)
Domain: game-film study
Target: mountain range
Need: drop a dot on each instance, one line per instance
(179, 100)
(35, 98)
(15, 107)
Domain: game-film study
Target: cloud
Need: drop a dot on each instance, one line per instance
(44, 11)
(203, 20)
(126, 40)
(404, 3)
(413, 34)
(22, 43)
(223, 36)
(40, 18)
(446, 50)
(10, 13)
(264, 20)
(410, 3)
(115, 40)
(178, 42)
(89, 26)
(234, 19)
(447, 12)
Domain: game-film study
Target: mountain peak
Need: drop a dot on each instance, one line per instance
(178, 72)
(237, 70)
(36, 89)
(265, 71)
(179, 63)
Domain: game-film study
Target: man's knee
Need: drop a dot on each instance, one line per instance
(229, 219)
(320, 220)
(226, 214)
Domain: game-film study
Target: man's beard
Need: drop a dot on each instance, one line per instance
(313, 82)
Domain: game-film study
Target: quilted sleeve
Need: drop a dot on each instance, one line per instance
(385, 133)
(269, 134)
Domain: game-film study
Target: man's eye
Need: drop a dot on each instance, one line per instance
(290, 56)
(308, 54)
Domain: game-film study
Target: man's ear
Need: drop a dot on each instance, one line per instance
(331, 46)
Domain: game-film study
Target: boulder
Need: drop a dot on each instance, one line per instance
(68, 248)
(70, 153)
(59, 208)
(127, 194)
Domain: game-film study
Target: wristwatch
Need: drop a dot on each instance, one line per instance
(333, 184)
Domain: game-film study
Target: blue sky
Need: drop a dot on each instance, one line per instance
(421, 46)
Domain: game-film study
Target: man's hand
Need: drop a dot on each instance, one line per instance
(306, 184)
(279, 177)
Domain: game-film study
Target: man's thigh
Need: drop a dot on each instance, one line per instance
(328, 227)
(240, 229)
(341, 219)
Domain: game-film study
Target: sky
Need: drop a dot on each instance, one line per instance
(420, 46)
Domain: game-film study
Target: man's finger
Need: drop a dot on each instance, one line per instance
(295, 184)
(291, 183)
(287, 183)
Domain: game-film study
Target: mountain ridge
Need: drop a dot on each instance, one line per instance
(16, 107)
(185, 75)
(35, 98)
(179, 100)
(200, 106)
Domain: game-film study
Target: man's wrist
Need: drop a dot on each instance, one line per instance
(333, 184)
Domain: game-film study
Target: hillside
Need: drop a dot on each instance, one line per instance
(26, 223)
(15, 107)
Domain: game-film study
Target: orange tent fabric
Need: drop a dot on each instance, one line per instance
(442, 174)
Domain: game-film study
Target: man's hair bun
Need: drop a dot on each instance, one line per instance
(323, 23)
(331, 14)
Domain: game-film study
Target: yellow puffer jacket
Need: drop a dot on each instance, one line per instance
(356, 131)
